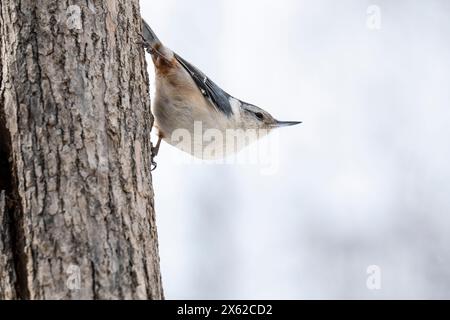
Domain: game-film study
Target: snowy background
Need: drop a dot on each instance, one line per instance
(364, 181)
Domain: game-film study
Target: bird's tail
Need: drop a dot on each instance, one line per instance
(148, 34)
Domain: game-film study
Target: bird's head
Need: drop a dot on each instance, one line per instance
(253, 117)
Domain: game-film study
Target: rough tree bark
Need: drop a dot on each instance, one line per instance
(77, 217)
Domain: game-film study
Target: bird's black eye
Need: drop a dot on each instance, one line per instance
(259, 115)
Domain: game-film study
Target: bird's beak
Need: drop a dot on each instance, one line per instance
(280, 124)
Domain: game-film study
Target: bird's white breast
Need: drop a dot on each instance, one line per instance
(188, 121)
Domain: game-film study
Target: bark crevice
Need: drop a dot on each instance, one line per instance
(11, 216)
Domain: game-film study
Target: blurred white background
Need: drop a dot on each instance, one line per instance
(365, 180)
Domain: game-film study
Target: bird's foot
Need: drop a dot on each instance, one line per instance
(147, 46)
(155, 151)
(154, 165)
(154, 154)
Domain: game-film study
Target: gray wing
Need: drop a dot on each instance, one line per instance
(219, 98)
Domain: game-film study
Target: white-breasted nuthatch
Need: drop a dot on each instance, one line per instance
(195, 115)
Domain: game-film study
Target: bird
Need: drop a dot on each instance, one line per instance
(193, 114)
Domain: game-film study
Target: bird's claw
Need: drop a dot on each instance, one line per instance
(153, 162)
(155, 150)
(145, 44)
(154, 165)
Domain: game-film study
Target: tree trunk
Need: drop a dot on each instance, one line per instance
(77, 217)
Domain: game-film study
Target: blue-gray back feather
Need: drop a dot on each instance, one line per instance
(219, 98)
